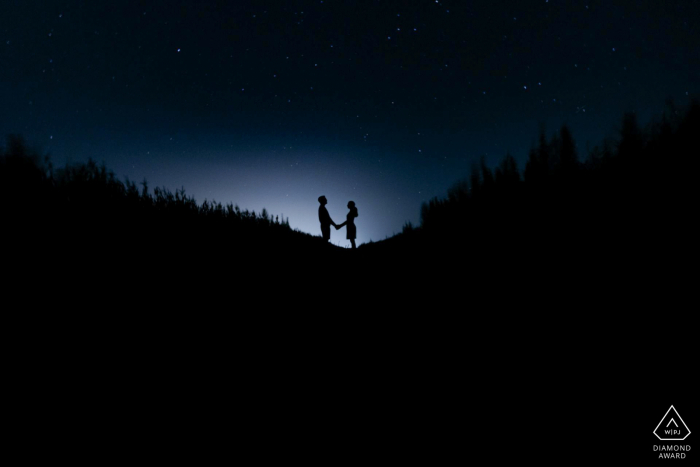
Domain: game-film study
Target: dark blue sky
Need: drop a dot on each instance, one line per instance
(387, 103)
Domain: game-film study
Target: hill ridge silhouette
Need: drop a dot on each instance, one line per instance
(560, 213)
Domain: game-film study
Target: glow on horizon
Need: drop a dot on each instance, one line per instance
(287, 186)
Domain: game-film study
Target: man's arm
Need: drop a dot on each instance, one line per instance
(326, 218)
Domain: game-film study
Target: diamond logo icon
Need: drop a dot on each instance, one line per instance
(672, 427)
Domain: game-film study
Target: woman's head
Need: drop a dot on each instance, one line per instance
(353, 209)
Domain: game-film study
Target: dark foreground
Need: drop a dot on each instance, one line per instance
(138, 325)
(411, 352)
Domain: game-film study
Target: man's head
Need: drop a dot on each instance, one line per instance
(322, 200)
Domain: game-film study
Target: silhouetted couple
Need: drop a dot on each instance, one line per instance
(326, 221)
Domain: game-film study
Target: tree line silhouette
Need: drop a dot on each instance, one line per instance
(84, 205)
(628, 193)
(623, 193)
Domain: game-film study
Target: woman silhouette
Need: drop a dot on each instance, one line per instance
(350, 223)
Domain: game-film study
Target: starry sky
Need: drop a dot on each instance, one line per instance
(386, 103)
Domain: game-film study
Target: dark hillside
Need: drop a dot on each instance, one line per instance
(625, 208)
(524, 290)
(619, 216)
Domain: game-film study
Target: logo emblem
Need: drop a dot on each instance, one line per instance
(671, 427)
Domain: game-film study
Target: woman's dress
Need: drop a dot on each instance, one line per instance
(350, 226)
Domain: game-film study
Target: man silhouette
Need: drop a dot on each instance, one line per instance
(325, 219)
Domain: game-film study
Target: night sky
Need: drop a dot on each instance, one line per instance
(386, 103)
